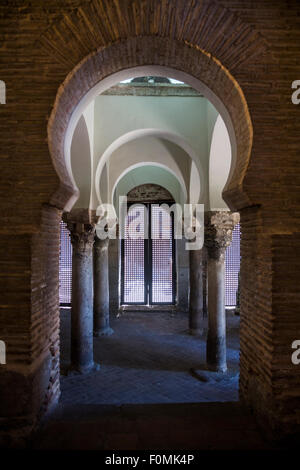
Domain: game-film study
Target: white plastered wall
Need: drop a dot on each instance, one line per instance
(81, 161)
(192, 120)
(148, 174)
(185, 117)
(219, 165)
(149, 150)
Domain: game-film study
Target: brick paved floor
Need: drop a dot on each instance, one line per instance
(148, 360)
(142, 396)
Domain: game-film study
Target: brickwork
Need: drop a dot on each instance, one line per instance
(247, 53)
(29, 382)
(149, 193)
(147, 50)
(44, 331)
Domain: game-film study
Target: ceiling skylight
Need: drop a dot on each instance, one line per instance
(172, 80)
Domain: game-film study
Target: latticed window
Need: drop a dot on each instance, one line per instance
(65, 266)
(232, 263)
(148, 273)
(163, 276)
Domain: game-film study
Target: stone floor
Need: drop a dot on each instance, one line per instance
(145, 397)
(148, 360)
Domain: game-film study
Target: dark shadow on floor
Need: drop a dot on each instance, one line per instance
(209, 426)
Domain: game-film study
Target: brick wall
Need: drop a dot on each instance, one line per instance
(29, 324)
(285, 310)
(45, 300)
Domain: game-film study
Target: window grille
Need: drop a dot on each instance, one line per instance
(65, 266)
(135, 248)
(162, 286)
(148, 274)
(134, 257)
(232, 266)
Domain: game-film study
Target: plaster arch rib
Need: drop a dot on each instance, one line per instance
(153, 164)
(122, 59)
(139, 133)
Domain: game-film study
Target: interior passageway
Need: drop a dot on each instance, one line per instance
(149, 359)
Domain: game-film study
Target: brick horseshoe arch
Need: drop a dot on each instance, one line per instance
(230, 48)
(198, 68)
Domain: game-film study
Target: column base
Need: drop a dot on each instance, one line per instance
(107, 331)
(73, 370)
(216, 353)
(217, 368)
(207, 375)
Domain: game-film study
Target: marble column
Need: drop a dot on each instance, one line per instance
(218, 235)
(196, 293)
(101, 288)
(82, 238)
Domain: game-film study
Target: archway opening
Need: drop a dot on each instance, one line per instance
(173, 148)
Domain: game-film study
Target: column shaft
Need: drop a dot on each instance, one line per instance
(82, 237)
(101, 288)
(216, 336)
(196, 293)
(204, 271)
(218, 235)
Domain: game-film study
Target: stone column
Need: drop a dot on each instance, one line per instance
(238, 296)
(196, 293)
(204, 272)
(82, 238)
(101, 288)
(218, 235)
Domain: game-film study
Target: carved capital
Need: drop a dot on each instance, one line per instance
(82, 236)
(219, 226)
